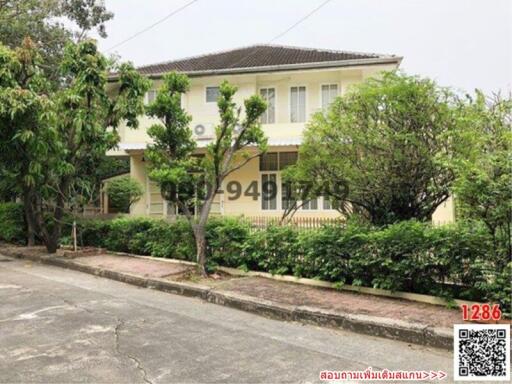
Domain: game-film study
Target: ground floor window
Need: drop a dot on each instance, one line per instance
(287, 201)
(269, 191)
(311, 205)
(277, 195)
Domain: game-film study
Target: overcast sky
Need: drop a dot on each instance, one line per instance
(465, 44)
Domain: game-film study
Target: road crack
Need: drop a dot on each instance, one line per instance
(119, 324)
(137, 362)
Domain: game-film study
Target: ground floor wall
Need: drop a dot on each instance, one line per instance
(445, 213)
(243, 193)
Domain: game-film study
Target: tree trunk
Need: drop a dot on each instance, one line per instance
(52, 241)
(31, 231)
(31, 236)
(31, 228)
(200, 237)
(199, 230)
(52, 244)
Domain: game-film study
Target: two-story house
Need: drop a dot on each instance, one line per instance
(295, 82)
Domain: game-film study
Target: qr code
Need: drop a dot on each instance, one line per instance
(482, 352)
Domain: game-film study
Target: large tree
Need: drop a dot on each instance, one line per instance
(190, 181)
(483, 187)
(386, 140)
(51, 24)
(58, 144)
(26, 124)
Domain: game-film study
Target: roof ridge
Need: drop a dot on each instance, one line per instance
(375, 55)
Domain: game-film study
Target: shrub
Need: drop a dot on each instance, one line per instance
(128, 234)
(226, 241)
(93, 233)
(448, 261)
(459, 258)
(499, 290)
(171, 240)
(144, 236)
(274, 250)
(327, 253)
(12, 223)
(394, 257)
(123, 192)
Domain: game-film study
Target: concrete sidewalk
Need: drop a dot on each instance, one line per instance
(404, 320)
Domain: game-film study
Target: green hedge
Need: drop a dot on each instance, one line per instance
(12, 223)
(451, 261)
(454, 261)
(143, 236)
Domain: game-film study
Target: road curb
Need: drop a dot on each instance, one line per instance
(370, 325)
(250, 304)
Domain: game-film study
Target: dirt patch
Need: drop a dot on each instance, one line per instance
(213, 280)
(83, 251)
(347, 302)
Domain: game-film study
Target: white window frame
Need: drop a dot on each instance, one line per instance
(275, 100)
(146, 96)
(320, 93)
(279, 182)
(149, 201)
(319, 205)
(260, 186)
(205, 94)
(306, 103)
(278, 194)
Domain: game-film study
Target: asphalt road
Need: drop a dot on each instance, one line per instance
(62, 326)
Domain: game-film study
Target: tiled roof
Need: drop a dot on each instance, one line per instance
(265, 58)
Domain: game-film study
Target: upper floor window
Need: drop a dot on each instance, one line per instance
(269, 162)
(277, 161)
(286, 159)
(298, 104)
(212, 94)
(269, 95)
(329, 93)
(150, 96)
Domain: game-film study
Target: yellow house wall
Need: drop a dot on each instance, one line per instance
(249, 84)
(445, 213)
(247, 206)
(138, 173)
(195, 101)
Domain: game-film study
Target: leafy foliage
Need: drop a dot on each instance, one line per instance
(170, 157)
(123, 192)
(226, 240)
(142, 236)
(52, 24)
(12, 224)
(273, 250)
(190, 181)
(27, 119)
(449, 261)
(484, 171)
(387, 139)
(55, 159)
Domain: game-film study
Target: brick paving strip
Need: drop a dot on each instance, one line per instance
(409, 321)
